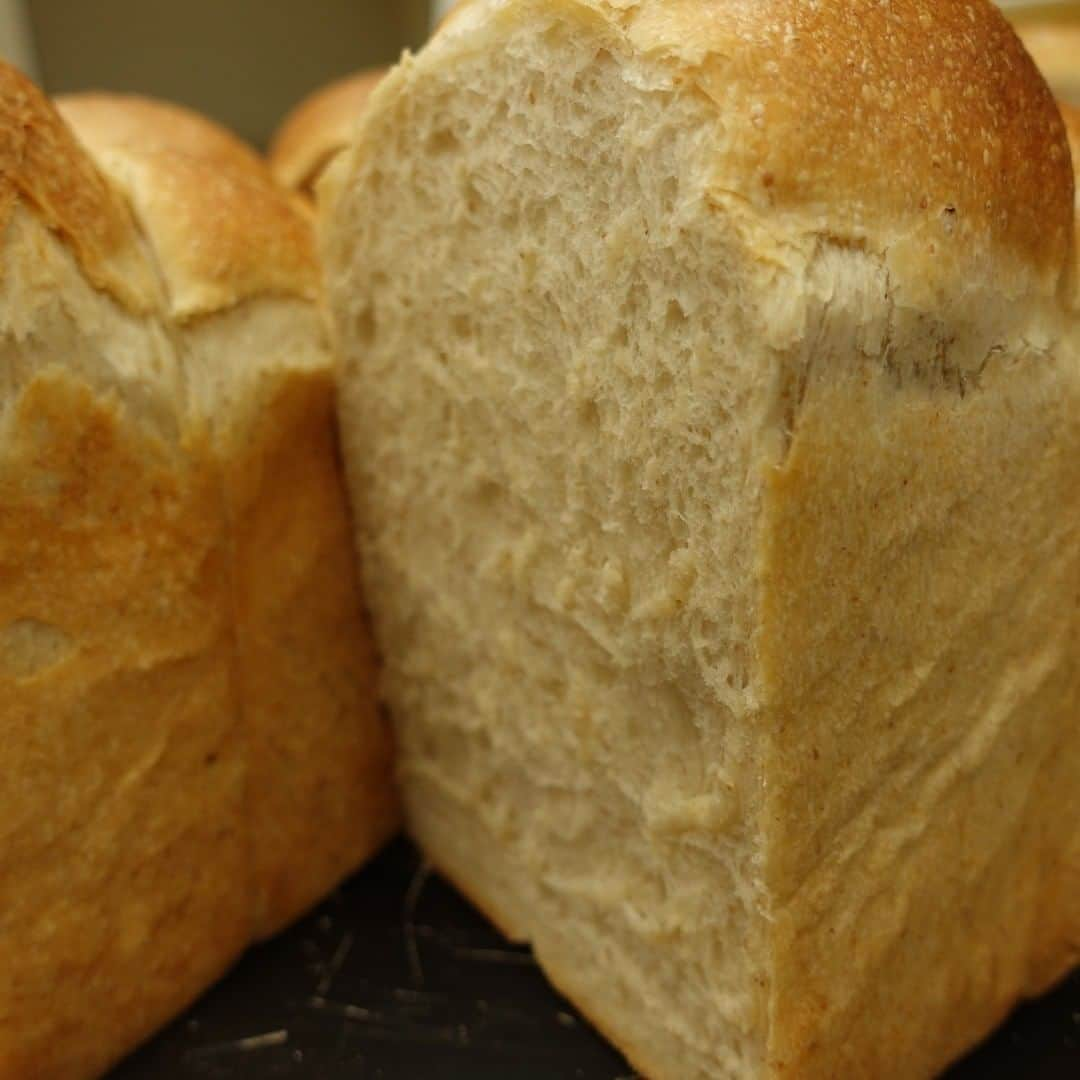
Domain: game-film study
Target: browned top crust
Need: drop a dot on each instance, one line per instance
(222, 230)
(104, 121)
(43, 167)
(921, 127)
(318, 128)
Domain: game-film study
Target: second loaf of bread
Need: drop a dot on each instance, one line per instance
(191, 750)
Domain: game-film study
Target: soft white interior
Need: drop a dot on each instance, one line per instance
(553, 398)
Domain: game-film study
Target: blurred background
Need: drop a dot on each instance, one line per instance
(246, 62)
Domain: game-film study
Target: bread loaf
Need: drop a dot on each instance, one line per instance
(711, 410)
(318, 128)
(228, 244)
(1071, 116)
(191, 750)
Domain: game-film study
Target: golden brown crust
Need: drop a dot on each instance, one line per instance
(318, 128)
(193, 754)
(223, 234)
(1071, 116)
(920, 127)
(42, 166)
(108, 121)
(922, 116)
(223, 230)
(125, 887)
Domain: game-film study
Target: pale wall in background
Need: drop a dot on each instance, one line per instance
(245, 62)
(15, 43)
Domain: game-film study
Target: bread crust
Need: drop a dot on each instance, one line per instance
(43, 167)
(319, 128)
(905, 168)
(193, 750)
(104, 120)
(222, 230)
(920, 127)
(232, 243)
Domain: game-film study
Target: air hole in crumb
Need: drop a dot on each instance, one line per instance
(669, 193)
(675, 316)
(462, 326)
(536, 215)
(590, 413)
(364, 326)
(529, 265)
(948, 220)
(488, 493)
(473, 199)
(443, 141)
(740, 662)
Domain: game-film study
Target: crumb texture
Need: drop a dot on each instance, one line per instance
(714, 456)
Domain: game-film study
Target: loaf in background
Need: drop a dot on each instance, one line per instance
(192, 754)
(711, 410)
(318, 128)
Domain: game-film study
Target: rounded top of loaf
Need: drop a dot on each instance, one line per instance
(222, 230)
(318, 128)
(43, 167)
(104, 121)
(918, 129)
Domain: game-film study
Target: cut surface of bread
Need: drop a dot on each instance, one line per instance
(711, 410)
(318, 129)
(192, 754)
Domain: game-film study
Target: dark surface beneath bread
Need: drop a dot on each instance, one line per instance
(397, 977)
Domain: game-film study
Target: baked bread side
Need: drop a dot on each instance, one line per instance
(242, 279)
(192, 754)
(125, 882)
(711, 416)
